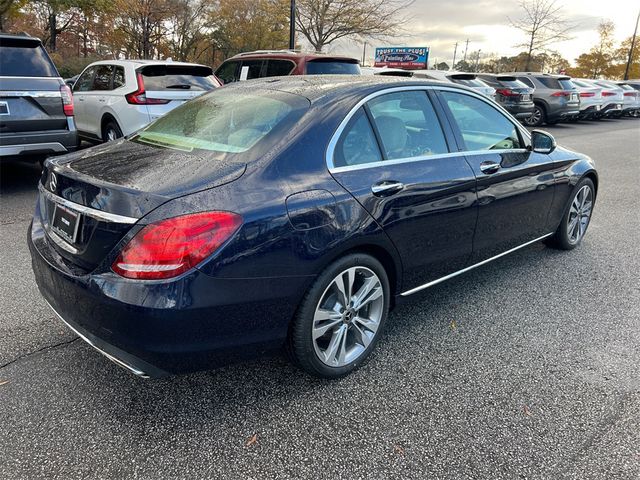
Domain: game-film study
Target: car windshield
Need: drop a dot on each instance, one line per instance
(227, 121)
(25, 59)
(323, 67)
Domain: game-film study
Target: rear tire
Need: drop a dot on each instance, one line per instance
(111, 131)
(331, 335)
(576, 218)
(537, 117)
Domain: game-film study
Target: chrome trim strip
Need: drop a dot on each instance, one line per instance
(115, 360)
(31, 147)
(61, 242)
(336, 135)
(471, 267)
(91, 212)
(31, 93)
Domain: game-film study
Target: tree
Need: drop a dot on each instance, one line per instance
(599, 61)
(8, 8)
(140, 27)
(543, 24)
(188, 22)
(322, 22)
(442, 66)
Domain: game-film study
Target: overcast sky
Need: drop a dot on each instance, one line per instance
(439, 24)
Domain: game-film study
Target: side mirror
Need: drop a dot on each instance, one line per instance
(542, 142)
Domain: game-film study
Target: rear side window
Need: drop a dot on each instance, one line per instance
(357, 145)
(323, 67)
(84, 82)
(102, 79)
(25, 59)
(227, 72)
(279, 68)
(526, 81)
(118, 77)
(407, 125)
(566, 84)
(482, 126)
(177, 77)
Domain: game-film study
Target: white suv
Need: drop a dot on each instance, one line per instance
(118, 97)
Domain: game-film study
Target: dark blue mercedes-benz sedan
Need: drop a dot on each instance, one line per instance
(292, 212)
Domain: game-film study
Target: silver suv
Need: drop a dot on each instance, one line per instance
(555, 98)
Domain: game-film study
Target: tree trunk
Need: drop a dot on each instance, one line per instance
(52, 31)
(528, 64)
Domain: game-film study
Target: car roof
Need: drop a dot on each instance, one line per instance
(291, 55)
(136, 62)
(540, 74)
(317, 87)
(20, 36)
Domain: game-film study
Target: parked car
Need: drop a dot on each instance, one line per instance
(591, 101)
(118, 97)
(470, 80)
(36, 107)
(612, 96)
(277, 63)
(512, 94)
(635, 84)
(385, 71)
(71, 80)
(204, 238)
(555, 98)
(631, 103)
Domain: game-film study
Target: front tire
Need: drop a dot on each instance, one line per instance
(339, 321)
(576, 218)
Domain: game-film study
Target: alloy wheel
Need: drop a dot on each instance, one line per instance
(579, 214)
(347, 316)
(111, 135)
(535, 118)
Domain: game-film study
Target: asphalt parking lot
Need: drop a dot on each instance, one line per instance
(528, 367)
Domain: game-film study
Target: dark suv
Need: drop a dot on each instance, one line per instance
(277, 63)
(556, 98)
(36, 106)
(514, 96)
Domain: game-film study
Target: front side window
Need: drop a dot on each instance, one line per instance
(102, 79)
(255, 68)
(407, 125)
(357, 145)
(482, 126)
(84, 82)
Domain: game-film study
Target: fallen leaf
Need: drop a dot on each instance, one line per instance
(4, 382)
(253, 439)
(526, 410)
(398, 450)
(453, 325)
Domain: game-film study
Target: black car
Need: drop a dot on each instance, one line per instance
(511, 93)
(292, 212)
(36, 106)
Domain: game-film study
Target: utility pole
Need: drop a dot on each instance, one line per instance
(455, 50)
(477, 61)
(633, 42)
(464, 59)
(364, 52)
(292, 26)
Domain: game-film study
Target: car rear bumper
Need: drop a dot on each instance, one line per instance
(519, 110)
(195, 322)
(38, 143)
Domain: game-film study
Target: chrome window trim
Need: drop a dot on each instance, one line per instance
(471, 267)
(90, 212)
(343, 124)
(31, 93)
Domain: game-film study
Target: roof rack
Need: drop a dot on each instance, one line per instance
(267, 51)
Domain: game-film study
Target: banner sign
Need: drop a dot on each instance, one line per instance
(402, 57)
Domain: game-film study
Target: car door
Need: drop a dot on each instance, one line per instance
(96, 98)
(392, 154)
(80, 88)
(515, 185)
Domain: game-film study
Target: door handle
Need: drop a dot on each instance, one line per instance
(489, 167)
(80, 99)
(386, 188)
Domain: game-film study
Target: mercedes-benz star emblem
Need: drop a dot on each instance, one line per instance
(53, 182)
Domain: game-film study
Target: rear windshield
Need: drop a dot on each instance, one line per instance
(567, 84)
(227, 121)
(163, 77)
(512, 83)
(25, 59)
(322, 67)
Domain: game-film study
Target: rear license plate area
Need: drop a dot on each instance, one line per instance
(65, 223)
(525, 97)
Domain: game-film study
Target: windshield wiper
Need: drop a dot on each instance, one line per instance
(183, 86)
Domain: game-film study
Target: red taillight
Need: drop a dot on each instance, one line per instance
(629, 94)
(587, 94)
(170, 247)
(505, 92)
(561, 94)
(67, 100)
(139, 97)
(608, 94)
